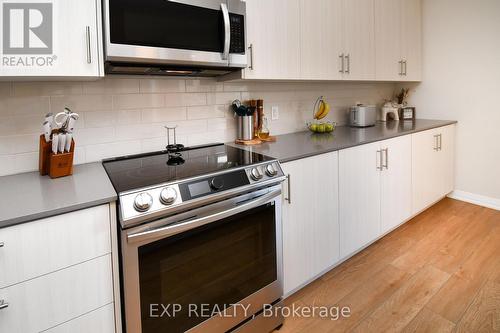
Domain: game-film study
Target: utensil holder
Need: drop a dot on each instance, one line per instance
(55, 165)
(245, 128)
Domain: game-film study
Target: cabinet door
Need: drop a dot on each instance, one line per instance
(320, 39)
(44, 246)
(395, 182)
(388, 40)
(359, 197)
(76, 48)
(53, 299)
(359, 39)
(411, 38)
(310, 219)
(426, 178)
(447, 159)
(274, 36)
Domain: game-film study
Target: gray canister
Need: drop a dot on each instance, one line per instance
(245, 127)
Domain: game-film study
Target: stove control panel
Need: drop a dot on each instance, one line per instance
(264, 172)
(155, 201)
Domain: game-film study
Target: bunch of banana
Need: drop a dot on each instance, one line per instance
(322, 110)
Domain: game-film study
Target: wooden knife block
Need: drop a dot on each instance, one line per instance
(55, 165)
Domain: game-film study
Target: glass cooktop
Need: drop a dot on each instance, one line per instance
(138, 171)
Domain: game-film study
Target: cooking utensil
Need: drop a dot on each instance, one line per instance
(49, 117)
(55, 143)
(47, 129)
(62, 143)
(69, 138)
(70, 126)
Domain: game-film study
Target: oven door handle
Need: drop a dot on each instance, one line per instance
(227, 31)
(173, 229)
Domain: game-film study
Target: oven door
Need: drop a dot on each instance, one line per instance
(202, 261)
(176, 32)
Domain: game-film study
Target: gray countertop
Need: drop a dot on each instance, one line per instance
(293, 146)
(29, 196)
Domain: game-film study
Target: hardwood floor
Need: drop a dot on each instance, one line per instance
(440, 272)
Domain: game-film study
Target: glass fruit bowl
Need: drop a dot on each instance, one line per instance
(321, 126)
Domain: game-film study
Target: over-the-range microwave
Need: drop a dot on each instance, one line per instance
(174, 37)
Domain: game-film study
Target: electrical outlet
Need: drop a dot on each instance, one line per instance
(275, 113)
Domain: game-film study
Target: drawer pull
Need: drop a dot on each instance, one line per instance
(3, 304)
(1, 244)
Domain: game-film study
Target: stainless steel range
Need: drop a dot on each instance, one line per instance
(200, 239)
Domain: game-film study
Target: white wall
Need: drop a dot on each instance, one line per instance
(122, 116)
(461, 81)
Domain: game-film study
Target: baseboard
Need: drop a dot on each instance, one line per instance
(476, 199)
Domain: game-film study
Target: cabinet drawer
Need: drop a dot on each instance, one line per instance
(98, 321)
(56, 298)
(44, 246)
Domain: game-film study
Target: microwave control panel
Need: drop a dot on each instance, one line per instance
(237, 44)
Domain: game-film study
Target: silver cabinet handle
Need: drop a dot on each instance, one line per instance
(436, 142)
(348, 70)
(400, 62)
(289, 199)
(1, 244)
(379, 160)
(440, 141)
(341, 63)
(250, 48)
(386, 153)
(3, 304)
(405, 68)
(227, 31)
(89, 51)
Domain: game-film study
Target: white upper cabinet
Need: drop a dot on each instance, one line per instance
(411, 42)
(398, 35)
(273, 39)
(320, 39)
(358, 40)
(72, 47)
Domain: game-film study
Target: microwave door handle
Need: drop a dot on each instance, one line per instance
(227, 31)
(173, 229)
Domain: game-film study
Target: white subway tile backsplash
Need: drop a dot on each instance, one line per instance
(163, 114)
(205, 112)
(15, 106)
(166, 85)
(96, 153)
(111, 86)
(46, 89)
(137, 101)
(122, 116)
(91, 136)
(203, 85)
(79, 103)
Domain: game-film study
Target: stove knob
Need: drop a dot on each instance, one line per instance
(143, 201)
(216, 184)
(255, 174)
(271, 170)
(168, 196)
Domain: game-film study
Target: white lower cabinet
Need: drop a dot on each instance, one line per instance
(310, 219)
(359, 197)
(42, 303)
(395, 183)
(375, 191)
(433, 166)
(56, 273)
(97, 321)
